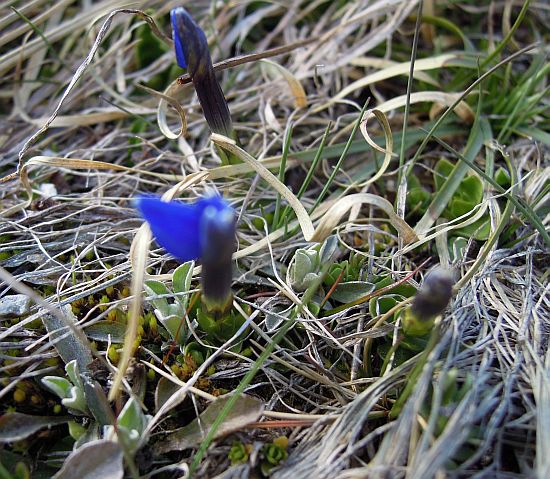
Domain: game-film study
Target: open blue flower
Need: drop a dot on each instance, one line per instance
(202, 230)
(192, 53)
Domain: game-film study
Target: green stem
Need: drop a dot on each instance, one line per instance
(508, 36)
(415, 374)
(308, 295)
(309, 176)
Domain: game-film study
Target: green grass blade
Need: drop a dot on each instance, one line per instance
(341, 159)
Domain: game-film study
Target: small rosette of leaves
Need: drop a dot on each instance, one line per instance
(131, 425)
(468, 195)
(171, 312)
(273, 454)
(238, 454)
(306, 268)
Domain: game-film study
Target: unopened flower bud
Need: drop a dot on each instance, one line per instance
(429, 302)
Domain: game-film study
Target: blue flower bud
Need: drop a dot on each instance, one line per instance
(202, 230)
(192, 53)
(180, 54)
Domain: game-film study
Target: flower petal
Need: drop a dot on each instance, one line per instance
(175, 226)
(180, 55)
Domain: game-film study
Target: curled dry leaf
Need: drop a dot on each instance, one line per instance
(332, 217)
(394, 70)
(167, 98)
(463, 110)
(388, 151)
(301, 213)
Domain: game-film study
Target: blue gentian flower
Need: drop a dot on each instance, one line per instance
(192, 53)
(202, 230)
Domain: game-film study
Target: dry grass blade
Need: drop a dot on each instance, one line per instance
(140, 253)
(424, 64)
(166, 99)
(4, 63)
(462, 109)
(300, 97)
(301, 213)
(86, 119)
(388, 150)
(332, 217)
(10, 59)
(541, 392)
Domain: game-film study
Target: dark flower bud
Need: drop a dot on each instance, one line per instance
(429, 302)
(434, 295)
(218, 232)
(192, 53)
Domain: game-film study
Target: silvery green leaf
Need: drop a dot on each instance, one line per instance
(16, 426)
(107, 331)
(275, 317)
(65, 342)
(94, 460)
(306, 261)
(309, 279)
(131, 415)
(176, 310)
(72, 347)
(181, 281)
(57, 385)
(156, 288)
(71, 368)
(132, 422)
(75, 400)
(351, 291)
(329, 250)
(172, 325)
